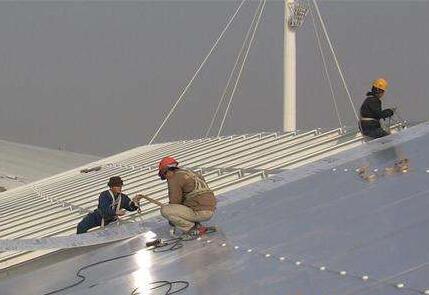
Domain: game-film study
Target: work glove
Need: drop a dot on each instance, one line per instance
(137, 199)
(121, 212)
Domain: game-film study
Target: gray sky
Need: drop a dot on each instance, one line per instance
(98, 77)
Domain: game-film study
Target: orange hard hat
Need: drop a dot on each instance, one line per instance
(164, 164)
(380, 84)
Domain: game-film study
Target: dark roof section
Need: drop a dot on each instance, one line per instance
(21, 164)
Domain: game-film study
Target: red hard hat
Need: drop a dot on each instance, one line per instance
(166, 163)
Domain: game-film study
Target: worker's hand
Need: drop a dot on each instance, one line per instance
(394, 109)
(136, 201)
(138, 197)
(121, 212)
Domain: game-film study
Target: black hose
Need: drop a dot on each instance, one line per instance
(162, 246)
(82, 278)
(168, 245)
(163, 284)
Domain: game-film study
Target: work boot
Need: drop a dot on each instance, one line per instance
(200, 229)
(196, 231)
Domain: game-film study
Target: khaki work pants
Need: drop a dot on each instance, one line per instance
(183, 217)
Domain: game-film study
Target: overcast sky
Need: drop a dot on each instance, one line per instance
(98, 77)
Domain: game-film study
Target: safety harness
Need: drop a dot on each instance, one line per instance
(115, 204)
(200, 187)
(367, 119)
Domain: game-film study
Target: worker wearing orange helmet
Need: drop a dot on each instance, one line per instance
(371, 111)
(190, 198)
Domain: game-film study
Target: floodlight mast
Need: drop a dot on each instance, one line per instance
(293, 18)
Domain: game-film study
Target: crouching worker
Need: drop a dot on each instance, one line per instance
(191, 199)
(111, 204)
(371, 112)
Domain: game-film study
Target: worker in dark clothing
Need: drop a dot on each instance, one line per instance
(371, 112)
(111, 204)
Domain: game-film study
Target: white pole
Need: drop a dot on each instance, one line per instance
(289, 73)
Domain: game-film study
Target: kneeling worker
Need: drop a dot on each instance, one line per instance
(191, 199)
(111, 204)
(371, 112)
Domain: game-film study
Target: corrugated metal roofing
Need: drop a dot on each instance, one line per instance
(317, 229)
(53, 206)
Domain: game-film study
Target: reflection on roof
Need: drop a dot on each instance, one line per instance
(316, 229)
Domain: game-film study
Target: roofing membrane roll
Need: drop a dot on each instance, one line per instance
(111, 233)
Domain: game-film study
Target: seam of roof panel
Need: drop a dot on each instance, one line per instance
(138, 169)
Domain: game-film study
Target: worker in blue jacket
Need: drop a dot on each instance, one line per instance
(111, 204)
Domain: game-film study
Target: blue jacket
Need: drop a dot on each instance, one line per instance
(107, 208)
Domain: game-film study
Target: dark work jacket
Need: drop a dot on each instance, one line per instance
(371, 108)
(107, 207)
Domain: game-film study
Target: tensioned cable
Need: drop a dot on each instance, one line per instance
(196, 74)
(241, 68)
(233, 71)
(337, 63)
(328, 77)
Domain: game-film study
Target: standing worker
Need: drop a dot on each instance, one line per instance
(190, 198)
(112, 203)
(371, 112)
